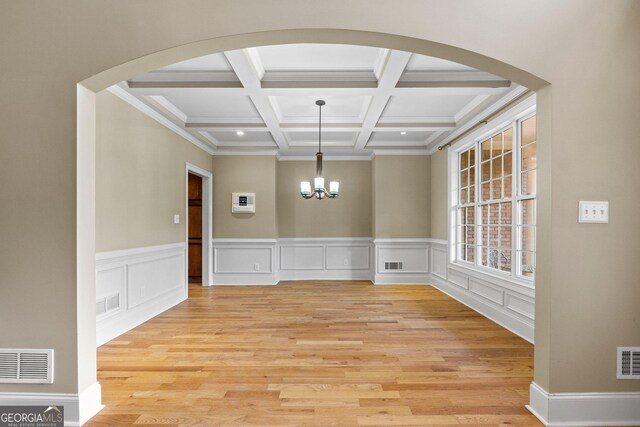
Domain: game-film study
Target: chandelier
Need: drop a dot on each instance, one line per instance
(319, 192)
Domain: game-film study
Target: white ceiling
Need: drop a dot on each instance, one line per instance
(377, 100)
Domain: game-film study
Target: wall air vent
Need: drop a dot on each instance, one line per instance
(26, 366)
(108, 304)
(628, 363)
(395, 265)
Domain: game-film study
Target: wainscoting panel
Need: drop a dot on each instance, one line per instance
(244, 262)
(345, 257)
(508, 303)
(152, 278)
(401, 261)
(438, 260)
(134, 285)
(325, 258)
(298, 257)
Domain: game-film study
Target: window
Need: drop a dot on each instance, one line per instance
(495, 200)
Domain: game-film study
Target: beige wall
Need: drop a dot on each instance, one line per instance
(245, 174)
(347, 216)
(402, 185)
(140, 177)
(586, 50)
(439, 201)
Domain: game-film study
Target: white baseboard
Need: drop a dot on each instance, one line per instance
(90, 402)
(325, 275)
(584, 409)
(239, 279)
(401, 279)
(78, 409)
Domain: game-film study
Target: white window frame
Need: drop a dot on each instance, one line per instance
(512, 117)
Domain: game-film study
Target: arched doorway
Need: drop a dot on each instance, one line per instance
(89, 86)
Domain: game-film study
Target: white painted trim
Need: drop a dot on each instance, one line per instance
(493, 312)
(401, 279)
(496, 106)
(248, 276)
(207, 224)
(78, 408)
(244, 279)
(122, 254)
(90, 402)
(312, 157)
(325, 274)
(270, 152)
(584, 409)
(144, 108)
(324, 240)
(419, 241)
(400, 152)
(112, 327)
(245, 241)
(113, 324)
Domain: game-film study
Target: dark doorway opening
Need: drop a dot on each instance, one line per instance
(194, 196)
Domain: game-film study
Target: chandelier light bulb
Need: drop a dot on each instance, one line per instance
(305, 187)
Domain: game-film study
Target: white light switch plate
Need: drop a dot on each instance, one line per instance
(176, 219)
(593, 212)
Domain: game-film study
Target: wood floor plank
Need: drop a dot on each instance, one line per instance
(307, 353)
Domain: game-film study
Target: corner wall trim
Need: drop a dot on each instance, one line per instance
(78, 408)
(584, 409)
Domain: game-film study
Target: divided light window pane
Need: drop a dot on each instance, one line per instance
(504, 195)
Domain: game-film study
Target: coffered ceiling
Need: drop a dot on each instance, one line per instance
(262, 100)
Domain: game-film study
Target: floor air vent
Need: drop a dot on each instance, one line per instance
(628, 363)
(395, 265)
(107, 304)
(26, 366)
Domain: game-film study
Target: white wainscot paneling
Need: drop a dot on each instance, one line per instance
(459, 279)
(524, 306)
(508, 303)
(348, 257)
(140, 283)
(486, 291)
(151, 278)
(340, 258)
(439, 260)
(244, 262)
(293, 257)
(412, 253)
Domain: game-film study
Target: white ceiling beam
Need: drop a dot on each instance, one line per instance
(242, 62)
(394, 65)
(328, 127)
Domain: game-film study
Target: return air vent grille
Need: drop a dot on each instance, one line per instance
(26, 366)
(628, 363)
(107, 304)
(395, 265)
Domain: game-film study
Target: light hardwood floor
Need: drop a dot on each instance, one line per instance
(316, 353)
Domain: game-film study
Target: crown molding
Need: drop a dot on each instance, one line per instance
(461, 129)
(146, 109)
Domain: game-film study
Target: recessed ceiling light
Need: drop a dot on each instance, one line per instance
(239, 133)
(403, 132)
